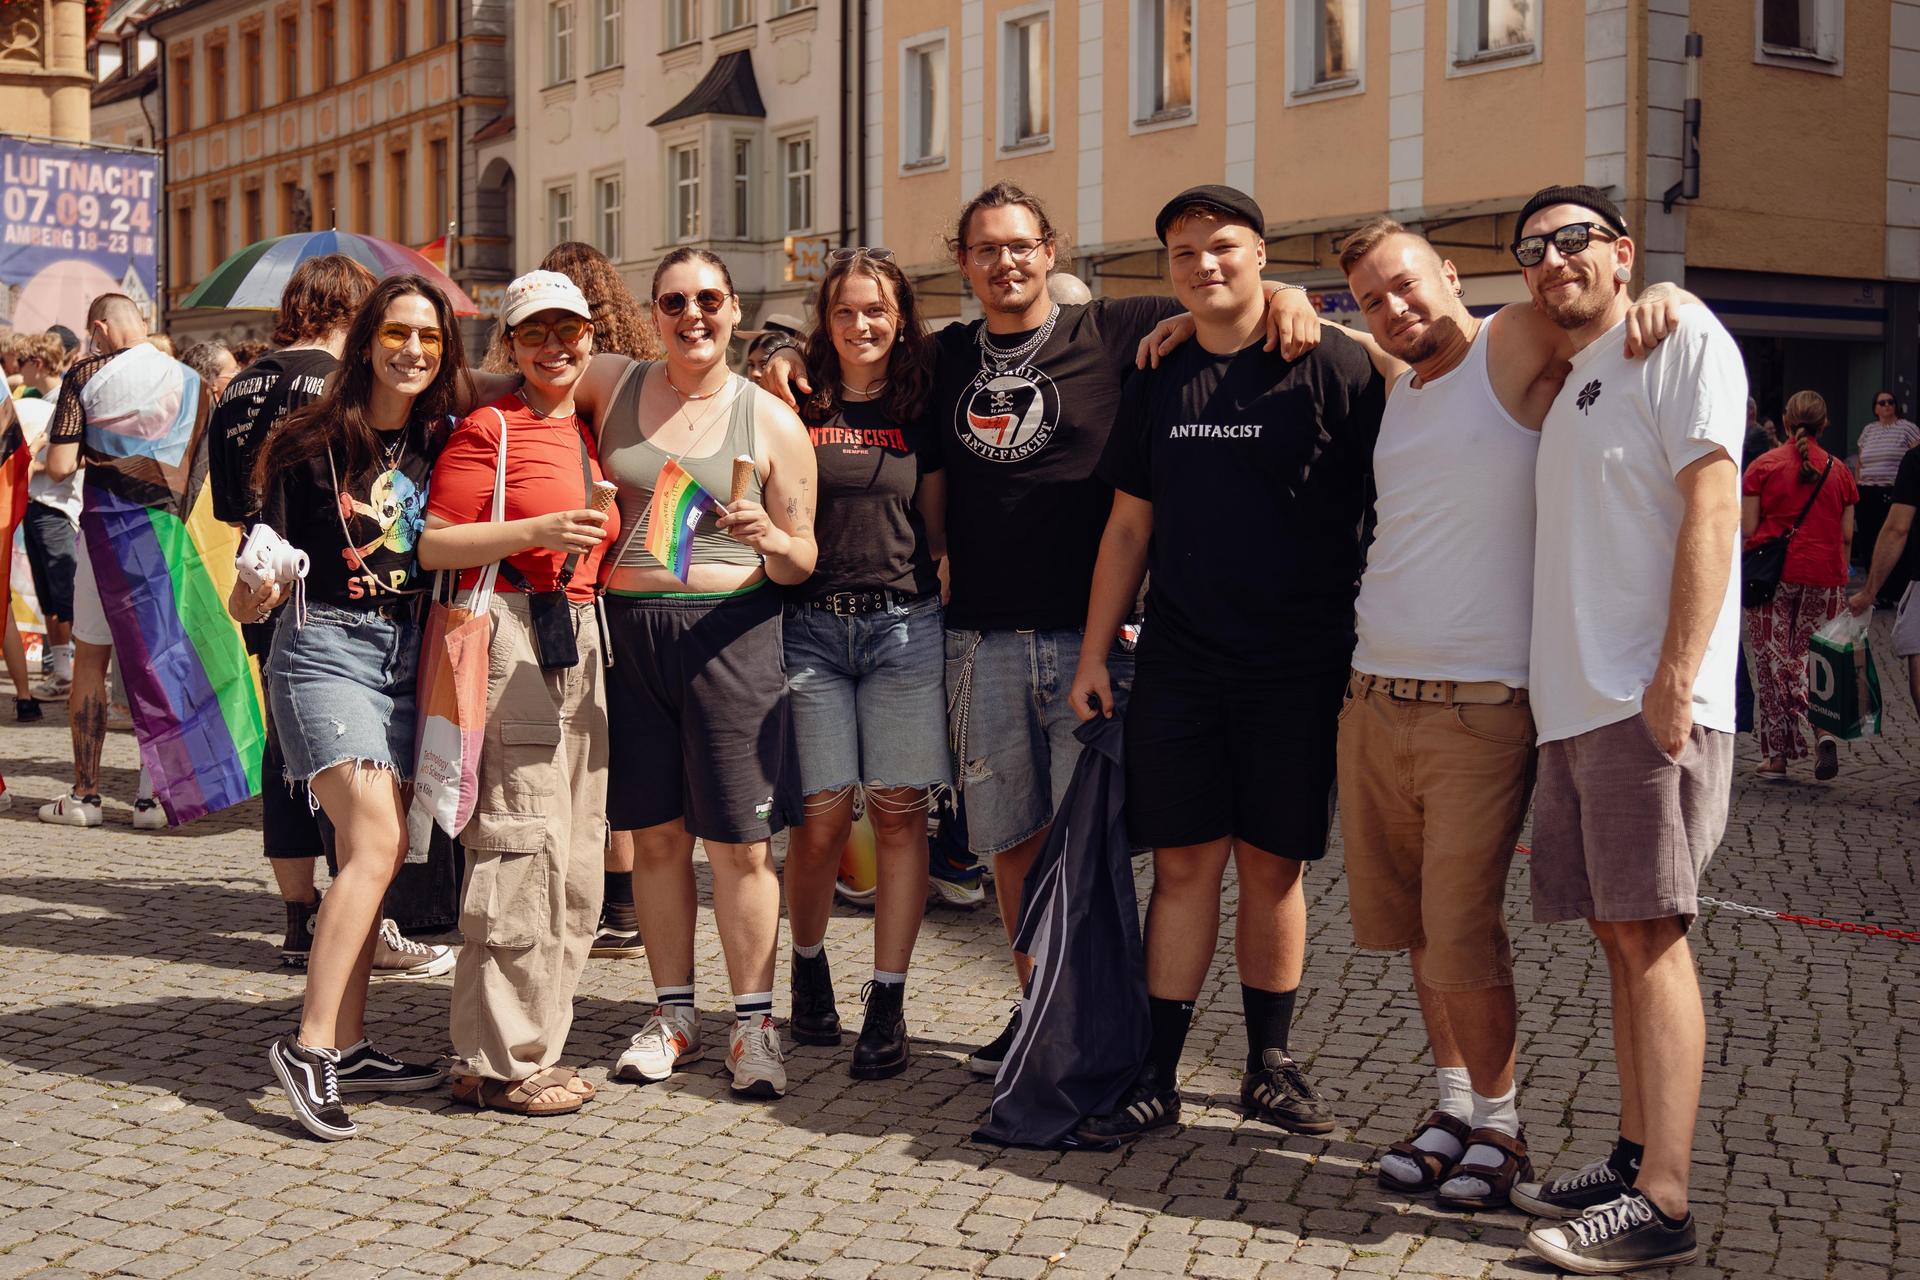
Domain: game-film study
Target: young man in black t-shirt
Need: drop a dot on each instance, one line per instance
(1894, 542)
(1240, 479)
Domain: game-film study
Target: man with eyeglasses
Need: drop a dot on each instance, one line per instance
(1636, 617)
(1028, 395)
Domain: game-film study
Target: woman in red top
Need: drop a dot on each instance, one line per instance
(534, 844)
(1813, 586)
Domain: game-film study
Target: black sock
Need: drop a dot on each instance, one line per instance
(1171, 1018)
(1625, 1160)
(1269, 1020)
(1671, 1224)
(618, 902)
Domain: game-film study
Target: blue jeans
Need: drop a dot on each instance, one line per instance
(342, 688)
(868, 696)
(1013, 730)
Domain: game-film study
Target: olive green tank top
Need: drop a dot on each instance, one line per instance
(634, 464)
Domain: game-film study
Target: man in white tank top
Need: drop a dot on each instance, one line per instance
(1436, 753)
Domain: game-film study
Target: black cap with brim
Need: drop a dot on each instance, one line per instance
(1591, 198)
(1228, 203)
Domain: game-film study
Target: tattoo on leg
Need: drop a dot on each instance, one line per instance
(89, 737)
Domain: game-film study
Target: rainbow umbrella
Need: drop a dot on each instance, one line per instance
(254, 278)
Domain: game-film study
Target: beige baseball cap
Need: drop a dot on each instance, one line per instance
(539, 291)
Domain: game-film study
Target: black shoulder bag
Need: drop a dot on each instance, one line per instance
(548, 612)
(1762, 564)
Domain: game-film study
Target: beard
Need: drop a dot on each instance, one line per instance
(1582, 309)
(1012, 298)
(1414, 350)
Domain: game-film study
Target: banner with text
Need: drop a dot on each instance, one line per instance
(75, 222)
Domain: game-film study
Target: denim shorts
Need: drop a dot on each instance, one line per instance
(869, 697)
(342, 689)
(1012, 729)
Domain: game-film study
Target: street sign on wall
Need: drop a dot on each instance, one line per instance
(75, 222)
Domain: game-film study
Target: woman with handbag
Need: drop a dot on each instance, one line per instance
(1797, 520)
(344, 481)
(515, 488)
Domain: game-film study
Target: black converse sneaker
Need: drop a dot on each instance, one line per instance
(364, 1069)
(1145, 1106)
(1571, 1194)
(311, 1079)
(814, 1020)
(300, 918)
(986, 1060)
(1280, 1093)
(1621, 1235)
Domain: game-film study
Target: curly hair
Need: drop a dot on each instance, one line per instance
(910, 370)
(620, 324)
(321, 295)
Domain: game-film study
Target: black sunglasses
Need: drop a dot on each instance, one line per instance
(708, 300)
(1531, 251)
(1881, 401)
(837, 256)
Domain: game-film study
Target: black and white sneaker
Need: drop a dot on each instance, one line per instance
(1621, 1235)
(986, 1060)
(364, 1069)
(1145, 1106)
(1281, 1094)
(312, 1081)
(301, 917)
(1572, 1194)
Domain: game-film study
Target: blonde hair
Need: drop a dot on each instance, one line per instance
(1368, 238)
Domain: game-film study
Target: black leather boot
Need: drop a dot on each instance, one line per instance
(814, 1019)
(881, 1050)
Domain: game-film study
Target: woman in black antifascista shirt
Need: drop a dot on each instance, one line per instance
(345, 480)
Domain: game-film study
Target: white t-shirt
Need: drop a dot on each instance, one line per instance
(1609, 524)
(36, 416)
(1448, 589)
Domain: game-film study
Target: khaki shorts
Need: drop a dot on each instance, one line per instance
(1622, 830)
(1432, 797)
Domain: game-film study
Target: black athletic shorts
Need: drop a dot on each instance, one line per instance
(289, 827)
(52, 542)
(1248, 754)
(698, 722)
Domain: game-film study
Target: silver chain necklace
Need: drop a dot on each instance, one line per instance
(1000, 361)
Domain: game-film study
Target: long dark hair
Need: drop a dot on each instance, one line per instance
(909, 372)
(340, 416)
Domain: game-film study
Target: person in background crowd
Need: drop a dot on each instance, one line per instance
(1895, 549)
(1813, 586)
(42, 362)
(249, 350)
(10, 360)
(1636, 617)
(69, 342)
(1883, 443)
(697, 700)
(1759, 437)
(214, 362)
(51, 528)
(1067, 289)
(344, 479)
(162, 343)
(1243, 653)
(620, 327)
(863, 643)
(536, 845)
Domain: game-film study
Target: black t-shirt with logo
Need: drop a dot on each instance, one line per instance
(257, 397)
(381, 511)
(1258, 470)
(869, 526)
(1024, 508)
(1906, 491)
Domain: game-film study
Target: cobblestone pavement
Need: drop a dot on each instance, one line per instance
(138, 989)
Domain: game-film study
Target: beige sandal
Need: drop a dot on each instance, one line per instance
(529, 1097)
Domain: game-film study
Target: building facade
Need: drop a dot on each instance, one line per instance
(642, 125)
(1805, 235)
(44, 81)
(290, 115)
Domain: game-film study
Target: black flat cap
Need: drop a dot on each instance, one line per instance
(1226, 203)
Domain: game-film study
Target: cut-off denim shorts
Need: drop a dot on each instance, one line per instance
(342, 689)
(869, 697)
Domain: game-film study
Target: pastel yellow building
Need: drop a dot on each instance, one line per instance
(44, 82)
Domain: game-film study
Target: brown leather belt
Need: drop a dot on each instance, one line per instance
(1467, 693)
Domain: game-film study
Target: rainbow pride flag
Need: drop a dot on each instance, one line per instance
(678, 503)
(164, 566)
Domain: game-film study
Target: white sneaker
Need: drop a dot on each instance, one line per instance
(71, 811)
(670, 1037)
(759, 1069)
(149, 816)
(398, 956)
(53, 689)
(6, 801)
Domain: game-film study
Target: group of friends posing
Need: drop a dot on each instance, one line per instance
(925, 582)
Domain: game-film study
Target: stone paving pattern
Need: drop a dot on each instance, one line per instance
(138, 989)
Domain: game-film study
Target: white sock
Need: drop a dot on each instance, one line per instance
(1456, 1100)
(755, 1004)
(145, 791)
(62, 656)
(887, 979)
(808, 953)
(1488, 1113)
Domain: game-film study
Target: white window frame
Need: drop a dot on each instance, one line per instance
(561, 211)
(809, 175)
(559, 42)
(741, 184)
(683, 195)
(732, 15)
(1302, 66)
(1466, 58)
(610, 218)
(933, 46)
(1148, 66)
(1010, 71)
(609, 24)
(1828, 54)
(783, 7)
(678, 32)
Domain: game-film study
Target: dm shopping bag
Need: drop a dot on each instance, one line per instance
(1843, 689)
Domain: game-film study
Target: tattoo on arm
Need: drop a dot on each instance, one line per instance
(793, 510)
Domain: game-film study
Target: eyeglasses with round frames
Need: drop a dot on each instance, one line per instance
(393, 335)
(708, 300)
(1531, 251)
(986, 253)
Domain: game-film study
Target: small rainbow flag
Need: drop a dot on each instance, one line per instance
(678, 503)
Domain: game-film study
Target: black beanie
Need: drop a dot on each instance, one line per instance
(1586, 197)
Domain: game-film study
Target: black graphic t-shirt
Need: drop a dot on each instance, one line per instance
(1257, 468)
(1906, 491)
(1024, 509)
(257, 397)
(363, 538)
(869, 526)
